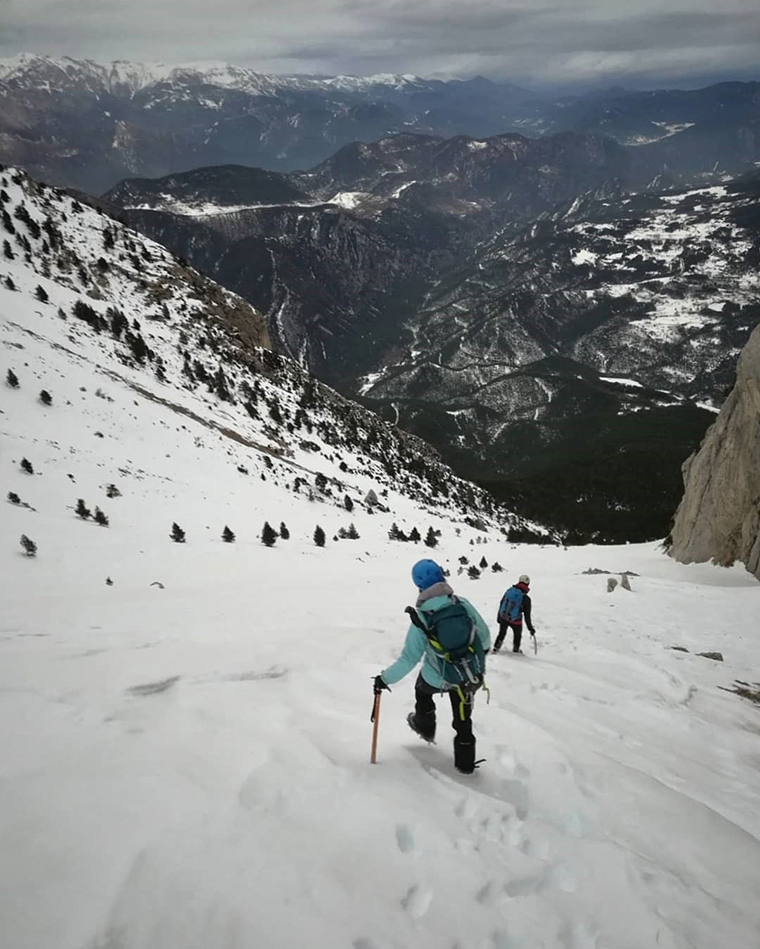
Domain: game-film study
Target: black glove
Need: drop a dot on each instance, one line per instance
(532, 632)
(380, 685)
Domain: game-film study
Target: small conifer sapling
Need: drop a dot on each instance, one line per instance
(228, 536)
(177, 534)
(41, 294)
(26, 466)
(319, 536)
(268, 535)
(100, 518)
(284, 532)
(82, 510)
(414, 535)
(11, 379)
(430, 539)
(14, 498)
(46, 398)
(30, 548)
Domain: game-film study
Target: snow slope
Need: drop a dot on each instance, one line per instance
(184, 754)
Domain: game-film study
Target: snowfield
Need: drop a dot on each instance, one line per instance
(188, 766)
(184, 754)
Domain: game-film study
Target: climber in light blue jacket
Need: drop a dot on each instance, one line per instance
(444, 627)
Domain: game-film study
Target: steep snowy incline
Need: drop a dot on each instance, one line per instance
(188, 766)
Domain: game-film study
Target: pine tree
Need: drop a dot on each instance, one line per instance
(284, 532)
(26, 466)
(112, 491)
(9, 284)
(109, 582)
(227, 535)
(41, 294)
(352, 533)
(46, 398)
(30, 548)
(100, 518)
(268, 535)
(82, 510)
(496, 567)
(483, 563)
(177, 534)
(430, 539)
(473, 573)
(11, 379)
(464, 560)
(319, 536)
(8, 252)
(394, 533)
(14, 498)
(415, 535)
(348, 504)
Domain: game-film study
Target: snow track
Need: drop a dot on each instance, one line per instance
(216, 735)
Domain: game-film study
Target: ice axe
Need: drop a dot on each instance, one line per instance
(375, 719)
(535, 643)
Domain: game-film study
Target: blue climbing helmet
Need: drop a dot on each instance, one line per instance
(425, 573)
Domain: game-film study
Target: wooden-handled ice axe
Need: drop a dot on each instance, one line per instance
(375, 719)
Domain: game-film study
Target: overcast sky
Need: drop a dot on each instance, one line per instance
(536, 42)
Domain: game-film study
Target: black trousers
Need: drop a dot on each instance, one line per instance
(424, 719)
(516, 628)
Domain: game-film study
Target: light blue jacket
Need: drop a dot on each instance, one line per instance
(416, 645)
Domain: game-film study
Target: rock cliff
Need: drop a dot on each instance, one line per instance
(719, 516)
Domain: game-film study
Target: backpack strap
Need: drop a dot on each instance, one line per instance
(415, 618)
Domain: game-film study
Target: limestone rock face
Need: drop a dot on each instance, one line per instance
(719, 516)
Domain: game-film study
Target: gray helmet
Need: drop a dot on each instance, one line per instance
(524, 578)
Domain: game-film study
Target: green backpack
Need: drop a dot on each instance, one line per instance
(452, 636)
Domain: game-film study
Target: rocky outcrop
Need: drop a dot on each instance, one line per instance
(719, 516)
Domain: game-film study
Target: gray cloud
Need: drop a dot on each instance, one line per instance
(544, 42)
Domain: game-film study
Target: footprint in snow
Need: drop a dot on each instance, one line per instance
(405, 838)
(577, 934)
(417, 901)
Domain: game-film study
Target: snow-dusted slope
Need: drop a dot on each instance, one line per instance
(188, 765)
(184, 752)
(81, 283)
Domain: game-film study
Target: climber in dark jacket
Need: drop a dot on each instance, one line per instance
(515, 604)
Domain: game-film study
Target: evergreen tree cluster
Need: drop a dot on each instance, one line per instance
(84, 512)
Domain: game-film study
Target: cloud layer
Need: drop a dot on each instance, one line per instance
(537, 42)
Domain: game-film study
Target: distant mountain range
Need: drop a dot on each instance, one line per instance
(85, 124)
(510, 300)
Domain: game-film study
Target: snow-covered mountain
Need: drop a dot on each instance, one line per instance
(340, 257)
(86, 124)
(147, 329)
(184, 727)
(577, 344)
(500, 333)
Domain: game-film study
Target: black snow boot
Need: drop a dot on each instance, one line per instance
(464, 754)
(424, 733)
